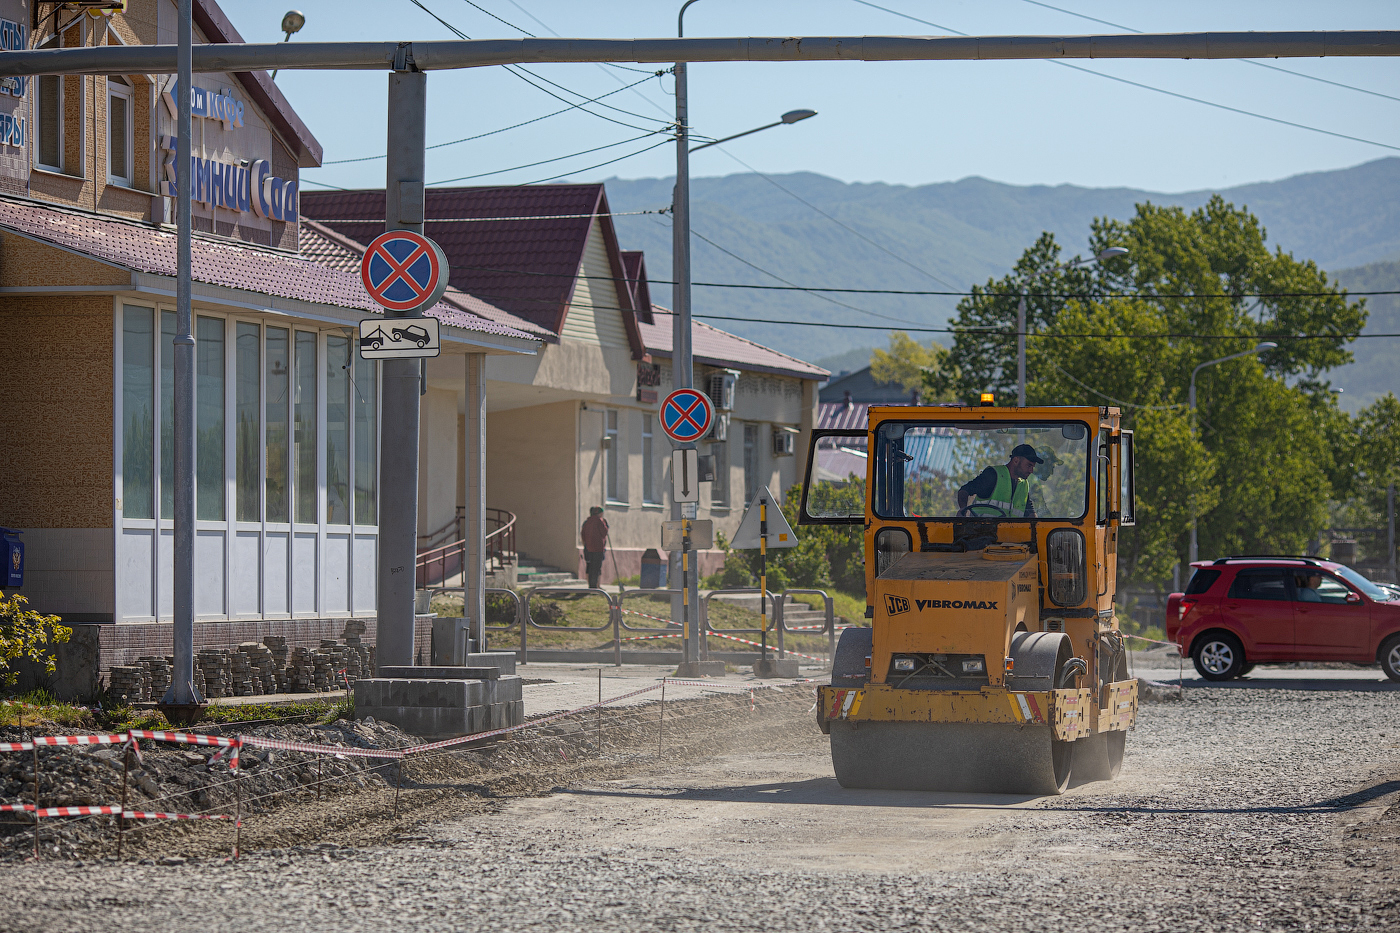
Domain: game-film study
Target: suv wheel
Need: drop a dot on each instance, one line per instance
(1219, 656)
(1390, 658)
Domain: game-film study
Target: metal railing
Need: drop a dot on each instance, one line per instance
(525, 622)
(437, 564)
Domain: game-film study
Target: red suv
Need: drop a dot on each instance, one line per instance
(1241, 611)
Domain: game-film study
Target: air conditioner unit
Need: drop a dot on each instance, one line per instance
(720, 389)
(719, 431)
(783, 441)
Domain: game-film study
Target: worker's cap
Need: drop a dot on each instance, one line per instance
(1027, 451)
(596, 510)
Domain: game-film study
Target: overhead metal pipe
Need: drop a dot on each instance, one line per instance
(475, 53)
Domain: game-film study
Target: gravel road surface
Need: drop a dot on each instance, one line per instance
(1271, 805)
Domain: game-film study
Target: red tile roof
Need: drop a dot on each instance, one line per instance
(714, 347)
(526, 267)
(216, 260)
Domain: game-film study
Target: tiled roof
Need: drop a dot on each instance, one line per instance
(324, 245)
(841, 415)
(526, 267)
(715, 347)
(215, 260)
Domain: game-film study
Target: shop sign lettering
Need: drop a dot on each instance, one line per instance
(232, 186)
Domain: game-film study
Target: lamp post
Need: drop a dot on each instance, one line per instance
(682, 359)
(291, 23)
(1113, 252)
(1191, 404)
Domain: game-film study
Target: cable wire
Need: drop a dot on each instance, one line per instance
(561, 158)
(1116, 401)
(1148, 87)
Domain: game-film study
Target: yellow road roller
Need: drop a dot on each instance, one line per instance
(993, 662)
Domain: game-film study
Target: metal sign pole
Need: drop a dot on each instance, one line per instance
(181, 694)
(398, 439)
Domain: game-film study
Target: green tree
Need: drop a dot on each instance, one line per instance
(1267, 447)
(913, 366)
(26, 635)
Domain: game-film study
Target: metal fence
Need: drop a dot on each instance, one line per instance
(618, 625)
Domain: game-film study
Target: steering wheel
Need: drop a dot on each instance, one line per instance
(966, 511)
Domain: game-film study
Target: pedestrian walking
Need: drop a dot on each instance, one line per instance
(595, 542)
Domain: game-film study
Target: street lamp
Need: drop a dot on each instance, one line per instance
(1191, 404)
(792, 116)
(1113, 252)
(292, 22)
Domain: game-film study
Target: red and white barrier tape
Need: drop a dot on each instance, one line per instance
(143, 815)
(646, 637)
(16, 746)
(671, 681)
(77, 811)
(186, 738)
(1170, 644)
(759, 645)
(16, 808)
(286, 746)
(445, 743)
(117, 739)
(645, 616)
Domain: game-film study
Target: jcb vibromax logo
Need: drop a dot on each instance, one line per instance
(894, 605)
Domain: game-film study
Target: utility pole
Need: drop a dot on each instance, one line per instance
(398, 438)
(182, 701)
(1390, 530)
(682, 360)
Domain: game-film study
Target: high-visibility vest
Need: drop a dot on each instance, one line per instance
(1009, 496)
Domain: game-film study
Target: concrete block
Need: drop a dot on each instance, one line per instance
(700, 669)
(503, 660)
(775, 667)
(441, 673)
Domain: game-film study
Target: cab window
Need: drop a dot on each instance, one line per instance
(1318, 588)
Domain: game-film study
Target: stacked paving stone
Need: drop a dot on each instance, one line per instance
(217, 668)
(260, 660)
(277, 644)
(158, 669)
(128, 684)
(299, 671)
(241, 671)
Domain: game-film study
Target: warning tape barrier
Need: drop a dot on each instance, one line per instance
(54, 740)
(1170, 644)
(742, 688)
(77, 811)
(759, 645)
(16, 808)
(645, 616)
(185, 738)
(284, 745)
(143, 815)
(16, 746)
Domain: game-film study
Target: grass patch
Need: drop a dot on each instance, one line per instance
(41, 707)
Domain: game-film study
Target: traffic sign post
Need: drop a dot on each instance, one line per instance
(685, 476)
(404, 271)
(394, 338)
(763, 526)
(687, 415)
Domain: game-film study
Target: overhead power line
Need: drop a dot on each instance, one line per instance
(1149, 87)
(502, 171)
(1247, 61)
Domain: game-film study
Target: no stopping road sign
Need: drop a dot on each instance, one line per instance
(404, 271)
(686, 415)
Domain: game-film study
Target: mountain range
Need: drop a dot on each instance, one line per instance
(806, 229)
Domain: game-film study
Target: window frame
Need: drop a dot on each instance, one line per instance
(117, 87)
(40, 123)
(614, 486)
(650, 486)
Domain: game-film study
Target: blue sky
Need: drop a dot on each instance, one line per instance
(908, 123)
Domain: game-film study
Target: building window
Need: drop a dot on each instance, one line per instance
(337, 431)
(247, 427)
(278, 383)
(138, 412)
(611, 456)
(119, 132)
(209, 426)
(48, 113)
(366, 395)
(167, 414)
(719, 489)
(752, 453)
(648, 459)
(304, 437)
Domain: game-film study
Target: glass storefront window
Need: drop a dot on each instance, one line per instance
(167, 414)
(247, 376)
(138, 412)
(304, 439)
(278, 381)
(337, 431)
(209, 419)
(366, 395)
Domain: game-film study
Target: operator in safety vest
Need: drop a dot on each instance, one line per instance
(1002, 491)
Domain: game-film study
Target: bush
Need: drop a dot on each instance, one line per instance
(826, 556)
(27, 634)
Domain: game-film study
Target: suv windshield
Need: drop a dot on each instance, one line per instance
(1364, 585)
(921, 468)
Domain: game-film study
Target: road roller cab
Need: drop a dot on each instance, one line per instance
(993, 660)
